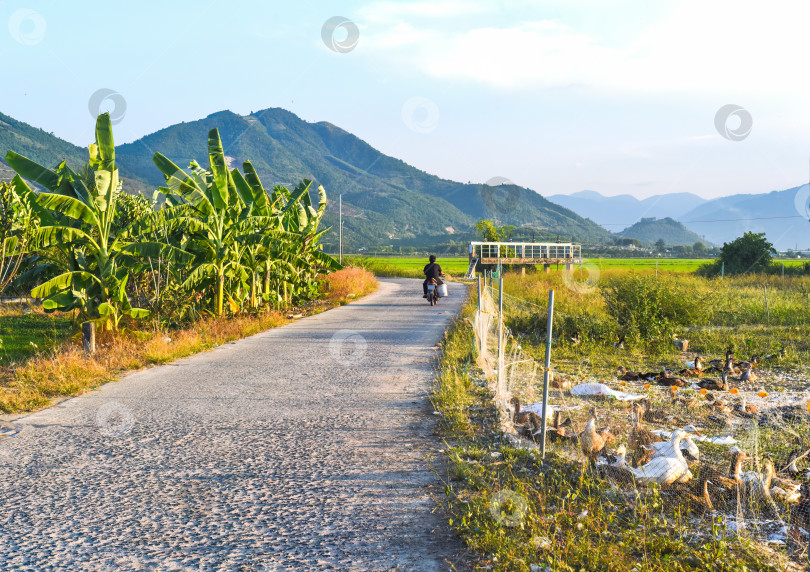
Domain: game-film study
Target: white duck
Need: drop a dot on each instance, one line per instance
(665, 448)
(667, 469)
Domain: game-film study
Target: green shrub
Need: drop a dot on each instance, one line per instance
(651, 310)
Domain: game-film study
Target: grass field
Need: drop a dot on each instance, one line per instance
(408, 267)
(456, 267)
(23, 334)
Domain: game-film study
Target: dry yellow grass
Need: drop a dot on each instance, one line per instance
(351, 282)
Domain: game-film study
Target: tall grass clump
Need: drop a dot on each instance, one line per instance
(650, 312)
(629, 317)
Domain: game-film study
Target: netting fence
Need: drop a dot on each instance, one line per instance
(717, 460)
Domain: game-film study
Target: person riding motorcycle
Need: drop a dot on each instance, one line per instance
(432, 272)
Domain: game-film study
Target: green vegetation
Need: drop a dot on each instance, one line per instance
(649, 311)
(216, 232)
(26, 333)
(409, 267)
(490, 232)
(751, 252)
(515, 511)
(76, 223)
(644, 312)
(17, 224)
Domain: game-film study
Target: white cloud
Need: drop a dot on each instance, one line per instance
(697, 46)
(388, 12)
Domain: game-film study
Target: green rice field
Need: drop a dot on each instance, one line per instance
(410, 267)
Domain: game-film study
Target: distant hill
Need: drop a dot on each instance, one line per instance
(621, 211)
(385, 200)
(34, 143)
(775, 213)
(673, 233)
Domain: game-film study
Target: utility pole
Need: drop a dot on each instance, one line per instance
(340, 228)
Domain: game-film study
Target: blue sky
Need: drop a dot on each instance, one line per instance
(560, 96)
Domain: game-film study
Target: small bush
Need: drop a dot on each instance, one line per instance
(650, 311)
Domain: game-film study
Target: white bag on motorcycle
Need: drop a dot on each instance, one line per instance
(442, 290)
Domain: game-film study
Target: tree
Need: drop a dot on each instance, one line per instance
(77, 217)
(750, 253)
(236, 232)
(490, 232)
(18, 221)
(660, 245)
(699, 248)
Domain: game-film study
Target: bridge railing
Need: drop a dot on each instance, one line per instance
(541, 250)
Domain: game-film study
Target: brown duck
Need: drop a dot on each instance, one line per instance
(640, 437)
(590, 440)
(696, 371)
(528, 420)
(714, 384)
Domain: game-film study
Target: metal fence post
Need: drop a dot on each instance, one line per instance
(481, 336)
(545, 374)
(501, 377)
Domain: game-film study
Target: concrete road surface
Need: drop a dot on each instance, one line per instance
(301, 448)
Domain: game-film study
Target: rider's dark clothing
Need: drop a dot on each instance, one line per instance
(434, 271)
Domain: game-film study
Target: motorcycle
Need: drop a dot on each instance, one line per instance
(436, 291)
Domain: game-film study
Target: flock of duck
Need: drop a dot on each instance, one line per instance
(644, 456)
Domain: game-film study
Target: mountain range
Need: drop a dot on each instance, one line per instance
(386, 201)
(621, 211)
(781, 215)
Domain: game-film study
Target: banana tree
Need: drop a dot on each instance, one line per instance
(207, 206)
(18, 221)
(95, 280)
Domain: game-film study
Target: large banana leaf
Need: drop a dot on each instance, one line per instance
(29, 198)
(64, 301)
(33, 171)
(106, 186)
(183, 185)
(243, 188)
(61, 282)
(199, 274)
(102, 152)
(219, 167)
(68, 206)
(326, 260)
(259, 194)
(158, 250)
(52, 236)
(301, 190)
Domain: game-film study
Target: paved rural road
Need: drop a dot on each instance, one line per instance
(301, 448)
